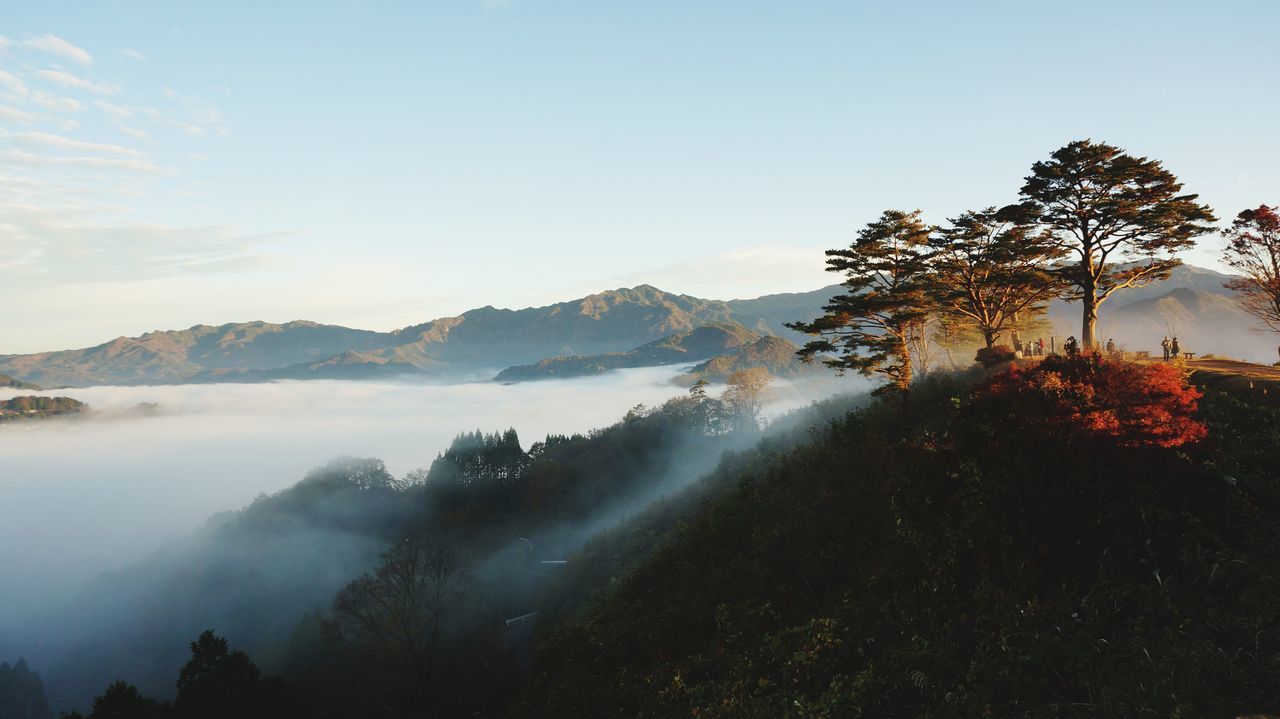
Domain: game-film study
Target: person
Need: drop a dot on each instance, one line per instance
(1071, 347)
(1040, 347)
(1174, 349)
(1164, 345)
(1111, 347)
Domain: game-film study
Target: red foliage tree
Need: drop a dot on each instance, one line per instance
(1090, 397)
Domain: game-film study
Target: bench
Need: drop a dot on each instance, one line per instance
(1189, 355)
(1141, 354)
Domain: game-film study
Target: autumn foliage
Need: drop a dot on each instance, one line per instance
(1090, 397)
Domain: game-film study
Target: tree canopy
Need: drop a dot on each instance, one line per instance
(991, 265)
(1253, 250)
(869, 326)
(1120, 217)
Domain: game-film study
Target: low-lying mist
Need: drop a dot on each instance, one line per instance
(83, 496)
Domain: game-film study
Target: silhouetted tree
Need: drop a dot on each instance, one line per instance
(122, 700)
(393, 620)
(1253, 250)
(886, 273)
(218, 682)
(22, 693)
(1121, 217)
(991, 265)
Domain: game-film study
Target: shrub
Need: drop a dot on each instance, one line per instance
(994, 355)
(1090, 396)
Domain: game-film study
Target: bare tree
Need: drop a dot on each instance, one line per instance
(394, 618)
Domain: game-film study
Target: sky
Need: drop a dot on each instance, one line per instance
(378, 164)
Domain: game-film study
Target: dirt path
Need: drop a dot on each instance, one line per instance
(1235, 367)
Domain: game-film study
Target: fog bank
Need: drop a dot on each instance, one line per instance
(79, 497)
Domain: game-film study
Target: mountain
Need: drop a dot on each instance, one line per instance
(168, 357)
(772, 353)
(769, 314)
(614, 322)
(7, 381)
(485, 338)
(700, 343)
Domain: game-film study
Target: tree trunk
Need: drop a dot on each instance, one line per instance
(1089, 328)
(989, 337)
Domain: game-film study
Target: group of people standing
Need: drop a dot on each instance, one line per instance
(1071, 347)
(1033, 348)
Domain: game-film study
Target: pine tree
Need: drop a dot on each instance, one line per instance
(869, 327)
(990, 266)
(1121, 217)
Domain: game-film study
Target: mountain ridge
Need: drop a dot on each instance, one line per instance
(608, 322)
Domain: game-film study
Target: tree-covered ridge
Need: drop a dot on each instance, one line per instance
(697, 344)
(37, 407)
(971, 559)
(773, 354)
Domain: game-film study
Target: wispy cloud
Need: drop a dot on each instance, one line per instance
(14, 116)
(13, 84)
(81, 244)
(49, 101)
(57, 46)
(133, 132)
(139, 165)
(66, 79)
(71, 184)
(36, 140)
(113, 110)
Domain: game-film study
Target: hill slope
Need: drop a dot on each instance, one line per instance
(691, 346)
(955, 565)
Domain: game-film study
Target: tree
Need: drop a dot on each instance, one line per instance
(991, 265)
(219, 682)
(393, 620)
(745, 394)
(22, 693)
(122, 700)
(1253, 250)
(886, 273)
(1120, 216)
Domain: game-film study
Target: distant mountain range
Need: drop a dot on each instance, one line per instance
(617, 328)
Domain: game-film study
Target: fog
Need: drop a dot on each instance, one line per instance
(87, 495)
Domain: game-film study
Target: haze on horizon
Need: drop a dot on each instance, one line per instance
(375, 165)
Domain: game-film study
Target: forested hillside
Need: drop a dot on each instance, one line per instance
(990, 554)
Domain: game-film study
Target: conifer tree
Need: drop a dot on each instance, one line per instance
(868, 328)
(1120, 217)
(990, 266)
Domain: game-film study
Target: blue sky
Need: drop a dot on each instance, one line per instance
(378, 164)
